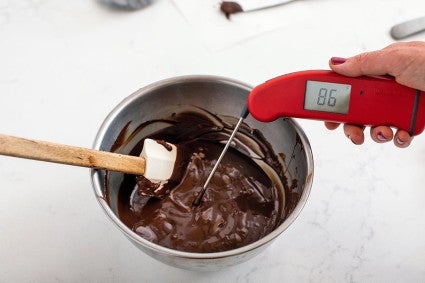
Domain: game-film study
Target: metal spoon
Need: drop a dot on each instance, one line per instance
(127, 4)
(408, 28)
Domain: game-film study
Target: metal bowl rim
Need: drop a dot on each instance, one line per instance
(190, 255)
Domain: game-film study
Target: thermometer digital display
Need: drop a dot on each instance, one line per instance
(328, 96)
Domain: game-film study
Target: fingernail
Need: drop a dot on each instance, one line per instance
(399, 141)
(381, 137)
(337, 60)
(349, 137)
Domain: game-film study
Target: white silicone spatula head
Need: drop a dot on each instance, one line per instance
(160, 158)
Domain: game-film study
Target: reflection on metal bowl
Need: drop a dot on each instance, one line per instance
(222, 97)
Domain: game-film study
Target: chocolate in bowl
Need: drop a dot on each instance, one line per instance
(243, 203)
(221, 97)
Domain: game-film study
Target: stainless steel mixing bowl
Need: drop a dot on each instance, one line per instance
(218, 95)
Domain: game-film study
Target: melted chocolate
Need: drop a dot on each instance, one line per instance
(149, 188)
(229, 7)
(165, 144)
(243, 203)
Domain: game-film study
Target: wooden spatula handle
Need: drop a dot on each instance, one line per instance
(71, 155)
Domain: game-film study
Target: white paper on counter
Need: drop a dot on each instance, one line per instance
(217, 32)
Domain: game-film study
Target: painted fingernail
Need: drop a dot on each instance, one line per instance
(381, 137)
(337, 60)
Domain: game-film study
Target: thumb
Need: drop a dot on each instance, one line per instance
(369, 63)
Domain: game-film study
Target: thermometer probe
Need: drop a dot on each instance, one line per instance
(328, 96)
(200, 195)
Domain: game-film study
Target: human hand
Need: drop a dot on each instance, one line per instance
(405, 61)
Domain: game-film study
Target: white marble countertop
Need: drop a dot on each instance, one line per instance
(65, 64)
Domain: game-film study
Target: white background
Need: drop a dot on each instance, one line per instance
(65, 64)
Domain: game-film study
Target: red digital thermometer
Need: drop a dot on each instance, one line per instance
(328, 96)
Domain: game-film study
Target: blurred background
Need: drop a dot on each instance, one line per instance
(65, 64)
